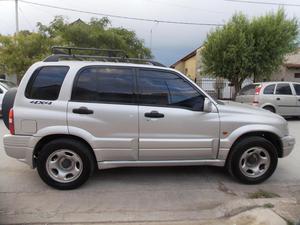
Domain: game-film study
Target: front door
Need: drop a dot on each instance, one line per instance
(285, 100)
(103, 109)
(172, 124)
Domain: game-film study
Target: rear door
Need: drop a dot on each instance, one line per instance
(285, 100)
(172, 123)
(103, 107)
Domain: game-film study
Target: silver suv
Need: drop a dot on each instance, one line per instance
(282, 98)
(70, 117)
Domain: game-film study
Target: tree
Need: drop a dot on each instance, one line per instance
(97, 34)
(20, 51)
(246, 48)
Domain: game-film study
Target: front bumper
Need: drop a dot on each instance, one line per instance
(19, 147)
(288, 143)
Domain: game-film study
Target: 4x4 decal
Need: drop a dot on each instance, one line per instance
(39, 102)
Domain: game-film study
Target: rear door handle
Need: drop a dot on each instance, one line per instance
(277, 98)
(154, 114)
(83, 110)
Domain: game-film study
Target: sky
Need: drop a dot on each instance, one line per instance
(168, 42)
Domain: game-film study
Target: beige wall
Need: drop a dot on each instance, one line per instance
(188, 67)
(288, 74)
(180, 66)
(285, 74)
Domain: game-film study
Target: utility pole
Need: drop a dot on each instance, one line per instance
(17, 16)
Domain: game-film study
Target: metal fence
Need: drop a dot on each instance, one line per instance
(219, 88)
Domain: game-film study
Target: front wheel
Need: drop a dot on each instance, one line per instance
(252, 160)
(65, 163)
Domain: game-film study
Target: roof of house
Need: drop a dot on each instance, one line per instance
(186, 57)
(292, 65)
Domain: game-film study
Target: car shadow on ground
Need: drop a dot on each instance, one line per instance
(159, 175)
(292, 118)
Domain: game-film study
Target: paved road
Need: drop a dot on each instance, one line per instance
(133, 194)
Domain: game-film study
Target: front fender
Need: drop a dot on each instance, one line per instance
(227, 142)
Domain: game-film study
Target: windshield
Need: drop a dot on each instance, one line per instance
(248, 89)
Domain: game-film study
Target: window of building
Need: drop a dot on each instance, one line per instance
(297, 75)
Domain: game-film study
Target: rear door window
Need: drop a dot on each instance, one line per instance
(269, 90)
(283, 89)
(104, 84)
(45, 83)
(297, 88)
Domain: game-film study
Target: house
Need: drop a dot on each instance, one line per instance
(190, 65)
(290, 70)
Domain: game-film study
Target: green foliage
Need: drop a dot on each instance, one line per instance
(246, 48)
(17, 53)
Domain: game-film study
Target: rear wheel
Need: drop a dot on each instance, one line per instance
(269, 108)
(252, 160)
(65, 163)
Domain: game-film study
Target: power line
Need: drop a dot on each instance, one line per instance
(263, 3)
(122, 17)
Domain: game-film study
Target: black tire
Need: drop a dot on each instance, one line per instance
(7, 104)
(81, 149)
(244, 145)
(270, 108)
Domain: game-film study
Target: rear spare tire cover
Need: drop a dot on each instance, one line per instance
(7, 104)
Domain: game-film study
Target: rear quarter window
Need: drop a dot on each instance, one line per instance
(269, 90)
(45, 83)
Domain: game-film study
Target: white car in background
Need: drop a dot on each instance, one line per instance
(281, 97)
(4, 86)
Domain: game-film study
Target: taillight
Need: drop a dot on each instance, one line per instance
(257, 89)
(11, 123)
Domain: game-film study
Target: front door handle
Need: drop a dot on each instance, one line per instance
(83, 110)
(277, 98)
(154, 114)
(299, 99)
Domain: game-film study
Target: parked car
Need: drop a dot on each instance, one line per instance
(4, 86)
(69, 117)
(7, 84)
(282, 98)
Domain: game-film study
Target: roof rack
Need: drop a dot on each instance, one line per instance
(104, 55)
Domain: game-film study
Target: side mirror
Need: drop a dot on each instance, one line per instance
(207, 105)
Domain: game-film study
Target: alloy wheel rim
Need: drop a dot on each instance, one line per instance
(255, 162)
(64, 165)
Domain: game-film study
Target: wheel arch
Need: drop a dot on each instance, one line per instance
(270, 105)
(51, 137)
(270, 136)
